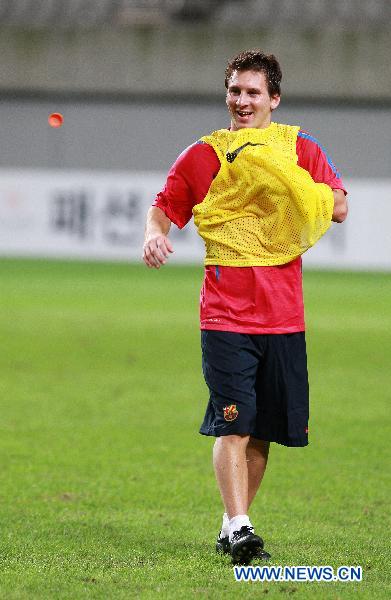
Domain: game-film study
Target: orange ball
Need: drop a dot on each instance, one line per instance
(55, 120)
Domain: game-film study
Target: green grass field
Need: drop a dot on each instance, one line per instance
(107, 489)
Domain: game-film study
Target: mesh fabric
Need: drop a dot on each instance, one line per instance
(261, 208)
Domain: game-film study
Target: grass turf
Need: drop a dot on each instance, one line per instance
(107, 490)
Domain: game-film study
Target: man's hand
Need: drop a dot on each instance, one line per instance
(156, 251)
(340, 211)
(157, 246)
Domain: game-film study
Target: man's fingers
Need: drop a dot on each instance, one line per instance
(148, 257)
(156, 251)
(146, 261)
(160, 251)
(168, 245)
(149, 262)
(165, 246)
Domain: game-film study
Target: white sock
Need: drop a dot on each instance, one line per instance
(225, 526)
(237, 522)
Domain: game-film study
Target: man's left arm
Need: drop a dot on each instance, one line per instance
(313, 158)
(340, 211)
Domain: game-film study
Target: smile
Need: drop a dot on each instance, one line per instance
(243, 113)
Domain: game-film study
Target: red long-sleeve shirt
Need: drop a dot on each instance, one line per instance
(254, 300)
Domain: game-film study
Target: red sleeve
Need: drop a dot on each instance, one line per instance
(313, 158)
(188, 182)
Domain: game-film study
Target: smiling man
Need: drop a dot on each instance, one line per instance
(249, 101)
(261, 193)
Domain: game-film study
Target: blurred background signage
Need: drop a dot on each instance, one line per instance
(87, 214)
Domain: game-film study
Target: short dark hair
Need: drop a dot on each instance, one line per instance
(256, 60)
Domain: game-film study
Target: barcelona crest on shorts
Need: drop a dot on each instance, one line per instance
(230, 412)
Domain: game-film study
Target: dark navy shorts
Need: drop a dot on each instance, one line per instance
(258, 386)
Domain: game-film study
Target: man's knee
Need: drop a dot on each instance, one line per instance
(232, 441)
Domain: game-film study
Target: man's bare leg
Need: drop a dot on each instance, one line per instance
(232, 474)
(257, 452)
(237, 460)
(240, 463)
(231, 469)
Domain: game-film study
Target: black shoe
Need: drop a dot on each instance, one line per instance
(262, 554)
(222, 544)
(245, 545)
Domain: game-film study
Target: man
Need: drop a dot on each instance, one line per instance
(261, 194)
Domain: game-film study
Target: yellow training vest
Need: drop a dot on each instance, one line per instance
(261, 208)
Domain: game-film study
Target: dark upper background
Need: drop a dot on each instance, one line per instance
(137, 81)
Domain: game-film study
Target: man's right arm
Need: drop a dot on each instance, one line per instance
(157, 246)
(187, 184)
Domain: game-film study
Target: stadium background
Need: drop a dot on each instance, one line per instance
(137, 82)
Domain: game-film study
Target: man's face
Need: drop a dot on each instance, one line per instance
(248, 100)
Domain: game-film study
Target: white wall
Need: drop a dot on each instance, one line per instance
(148, 135)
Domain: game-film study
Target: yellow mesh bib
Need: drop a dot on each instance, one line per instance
(261, 208)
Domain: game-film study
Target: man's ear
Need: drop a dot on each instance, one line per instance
(275, 101)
